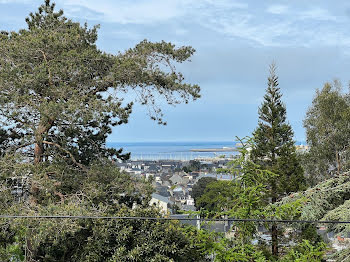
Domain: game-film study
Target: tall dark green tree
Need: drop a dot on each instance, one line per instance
(59, 98)
(57, 87)
(274, 147)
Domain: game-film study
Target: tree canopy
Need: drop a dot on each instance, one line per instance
(60, 96)
(199, 188)
(327, 133)
(55, 83)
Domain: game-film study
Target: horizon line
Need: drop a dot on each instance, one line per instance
(179, 141)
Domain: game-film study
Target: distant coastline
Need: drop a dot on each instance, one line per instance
(224, 149)
(177, 150)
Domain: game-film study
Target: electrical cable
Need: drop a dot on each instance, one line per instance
(179, 218)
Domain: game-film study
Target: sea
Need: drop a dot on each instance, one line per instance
(173, 150)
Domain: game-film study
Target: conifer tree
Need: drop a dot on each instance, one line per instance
(274, 147)
(59, 98)
(57, 87)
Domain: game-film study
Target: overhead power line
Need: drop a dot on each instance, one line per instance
(177, 218)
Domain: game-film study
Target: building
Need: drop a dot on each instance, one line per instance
(163, 203)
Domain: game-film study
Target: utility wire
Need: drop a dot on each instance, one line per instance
(178, 218)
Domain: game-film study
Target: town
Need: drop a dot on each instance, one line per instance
(173, 179)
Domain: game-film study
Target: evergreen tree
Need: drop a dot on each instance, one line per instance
(274, 147)
(64, 94)
(59, 97)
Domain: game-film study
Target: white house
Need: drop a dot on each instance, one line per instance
(161, 202)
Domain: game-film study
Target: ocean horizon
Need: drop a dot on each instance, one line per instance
(177, 150)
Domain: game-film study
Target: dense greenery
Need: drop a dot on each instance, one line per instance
(60, 92)
(60, 96)
(248, 197)
(327, 132)
(102, 191)
(274, 147)
(199, 188)
(58, 99)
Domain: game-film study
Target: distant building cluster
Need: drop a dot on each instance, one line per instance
(172, 184)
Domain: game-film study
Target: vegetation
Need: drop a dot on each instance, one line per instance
(60, 96)
(274, 148)
(194, 165)
(54, 82)
(199, 188)
(248, 197)
(327, 133)
(56, 114)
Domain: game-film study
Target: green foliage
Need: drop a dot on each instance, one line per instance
(244, 194)
(306, 252)
(194, 165)
(274, 147)
(243, 253)
(340, 213)
(247, 196)
(286, 210)
(11, 248)
(328, 200)
(102, 191)
(244, 197)
(199, 188)
(63, 94)
(323, 197)
(343, 255)
(327, 133)
(217, 196)
(309, 232)
(223, 249)
(60, 97)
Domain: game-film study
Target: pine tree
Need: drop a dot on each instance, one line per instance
(274, 147)
(63, 94)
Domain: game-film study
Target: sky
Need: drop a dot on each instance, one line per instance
(235, 42)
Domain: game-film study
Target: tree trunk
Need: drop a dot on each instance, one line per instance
(38, 151)
(42, 129)
(274, 235)
(338, 161)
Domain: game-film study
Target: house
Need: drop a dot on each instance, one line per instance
(163, 203)
(176, 179)
(162, 190)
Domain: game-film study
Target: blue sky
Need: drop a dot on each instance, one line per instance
(235, 42)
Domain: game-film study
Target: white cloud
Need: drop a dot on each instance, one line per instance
(225, 4)
(13, 1)
(148, 11)
(315, 26)
(277, 9)
(318, 14)
(242, 27)
(133, 12)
